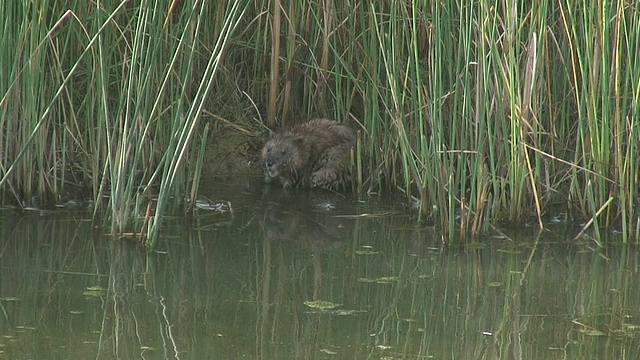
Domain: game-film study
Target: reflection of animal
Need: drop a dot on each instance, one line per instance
(315, 232)
(314, 154)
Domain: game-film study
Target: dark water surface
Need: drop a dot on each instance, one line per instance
(286, 275)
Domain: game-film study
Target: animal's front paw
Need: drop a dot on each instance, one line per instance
(314, 181)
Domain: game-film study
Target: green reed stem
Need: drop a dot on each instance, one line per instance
(481, 111)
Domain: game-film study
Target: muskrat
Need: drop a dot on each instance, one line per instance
(315, 154)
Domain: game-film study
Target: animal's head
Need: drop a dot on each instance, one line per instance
(278, 154)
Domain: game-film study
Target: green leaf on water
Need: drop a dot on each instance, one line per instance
(380, 280)
(94, 291)
(10, 299)
(321, 304)
(591, 332)
(348, 312)
(367, 252)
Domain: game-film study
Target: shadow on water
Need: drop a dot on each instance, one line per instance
(302, 275)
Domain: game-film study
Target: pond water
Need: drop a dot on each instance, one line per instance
(310, 275)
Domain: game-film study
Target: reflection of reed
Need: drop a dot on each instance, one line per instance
(295, 223)
(313, 232)
(118, 334)
(143, 309)
(67, 292)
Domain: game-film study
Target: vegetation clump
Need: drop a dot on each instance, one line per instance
(477, 110)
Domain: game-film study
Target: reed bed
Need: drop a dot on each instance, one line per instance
(474, 112)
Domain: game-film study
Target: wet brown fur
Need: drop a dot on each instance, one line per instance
(311, 155)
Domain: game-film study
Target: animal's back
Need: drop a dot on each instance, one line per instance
(314, 154)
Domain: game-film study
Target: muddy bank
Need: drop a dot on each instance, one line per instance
(234, 152)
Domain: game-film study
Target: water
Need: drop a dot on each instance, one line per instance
(294, 275)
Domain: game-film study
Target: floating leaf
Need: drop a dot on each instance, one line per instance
(94, 291)
(512, 252)
(321, 304)
(348, 312)
(380, 280)
(21, 327)
(10, 299)
(367, 252)
(591, 332)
